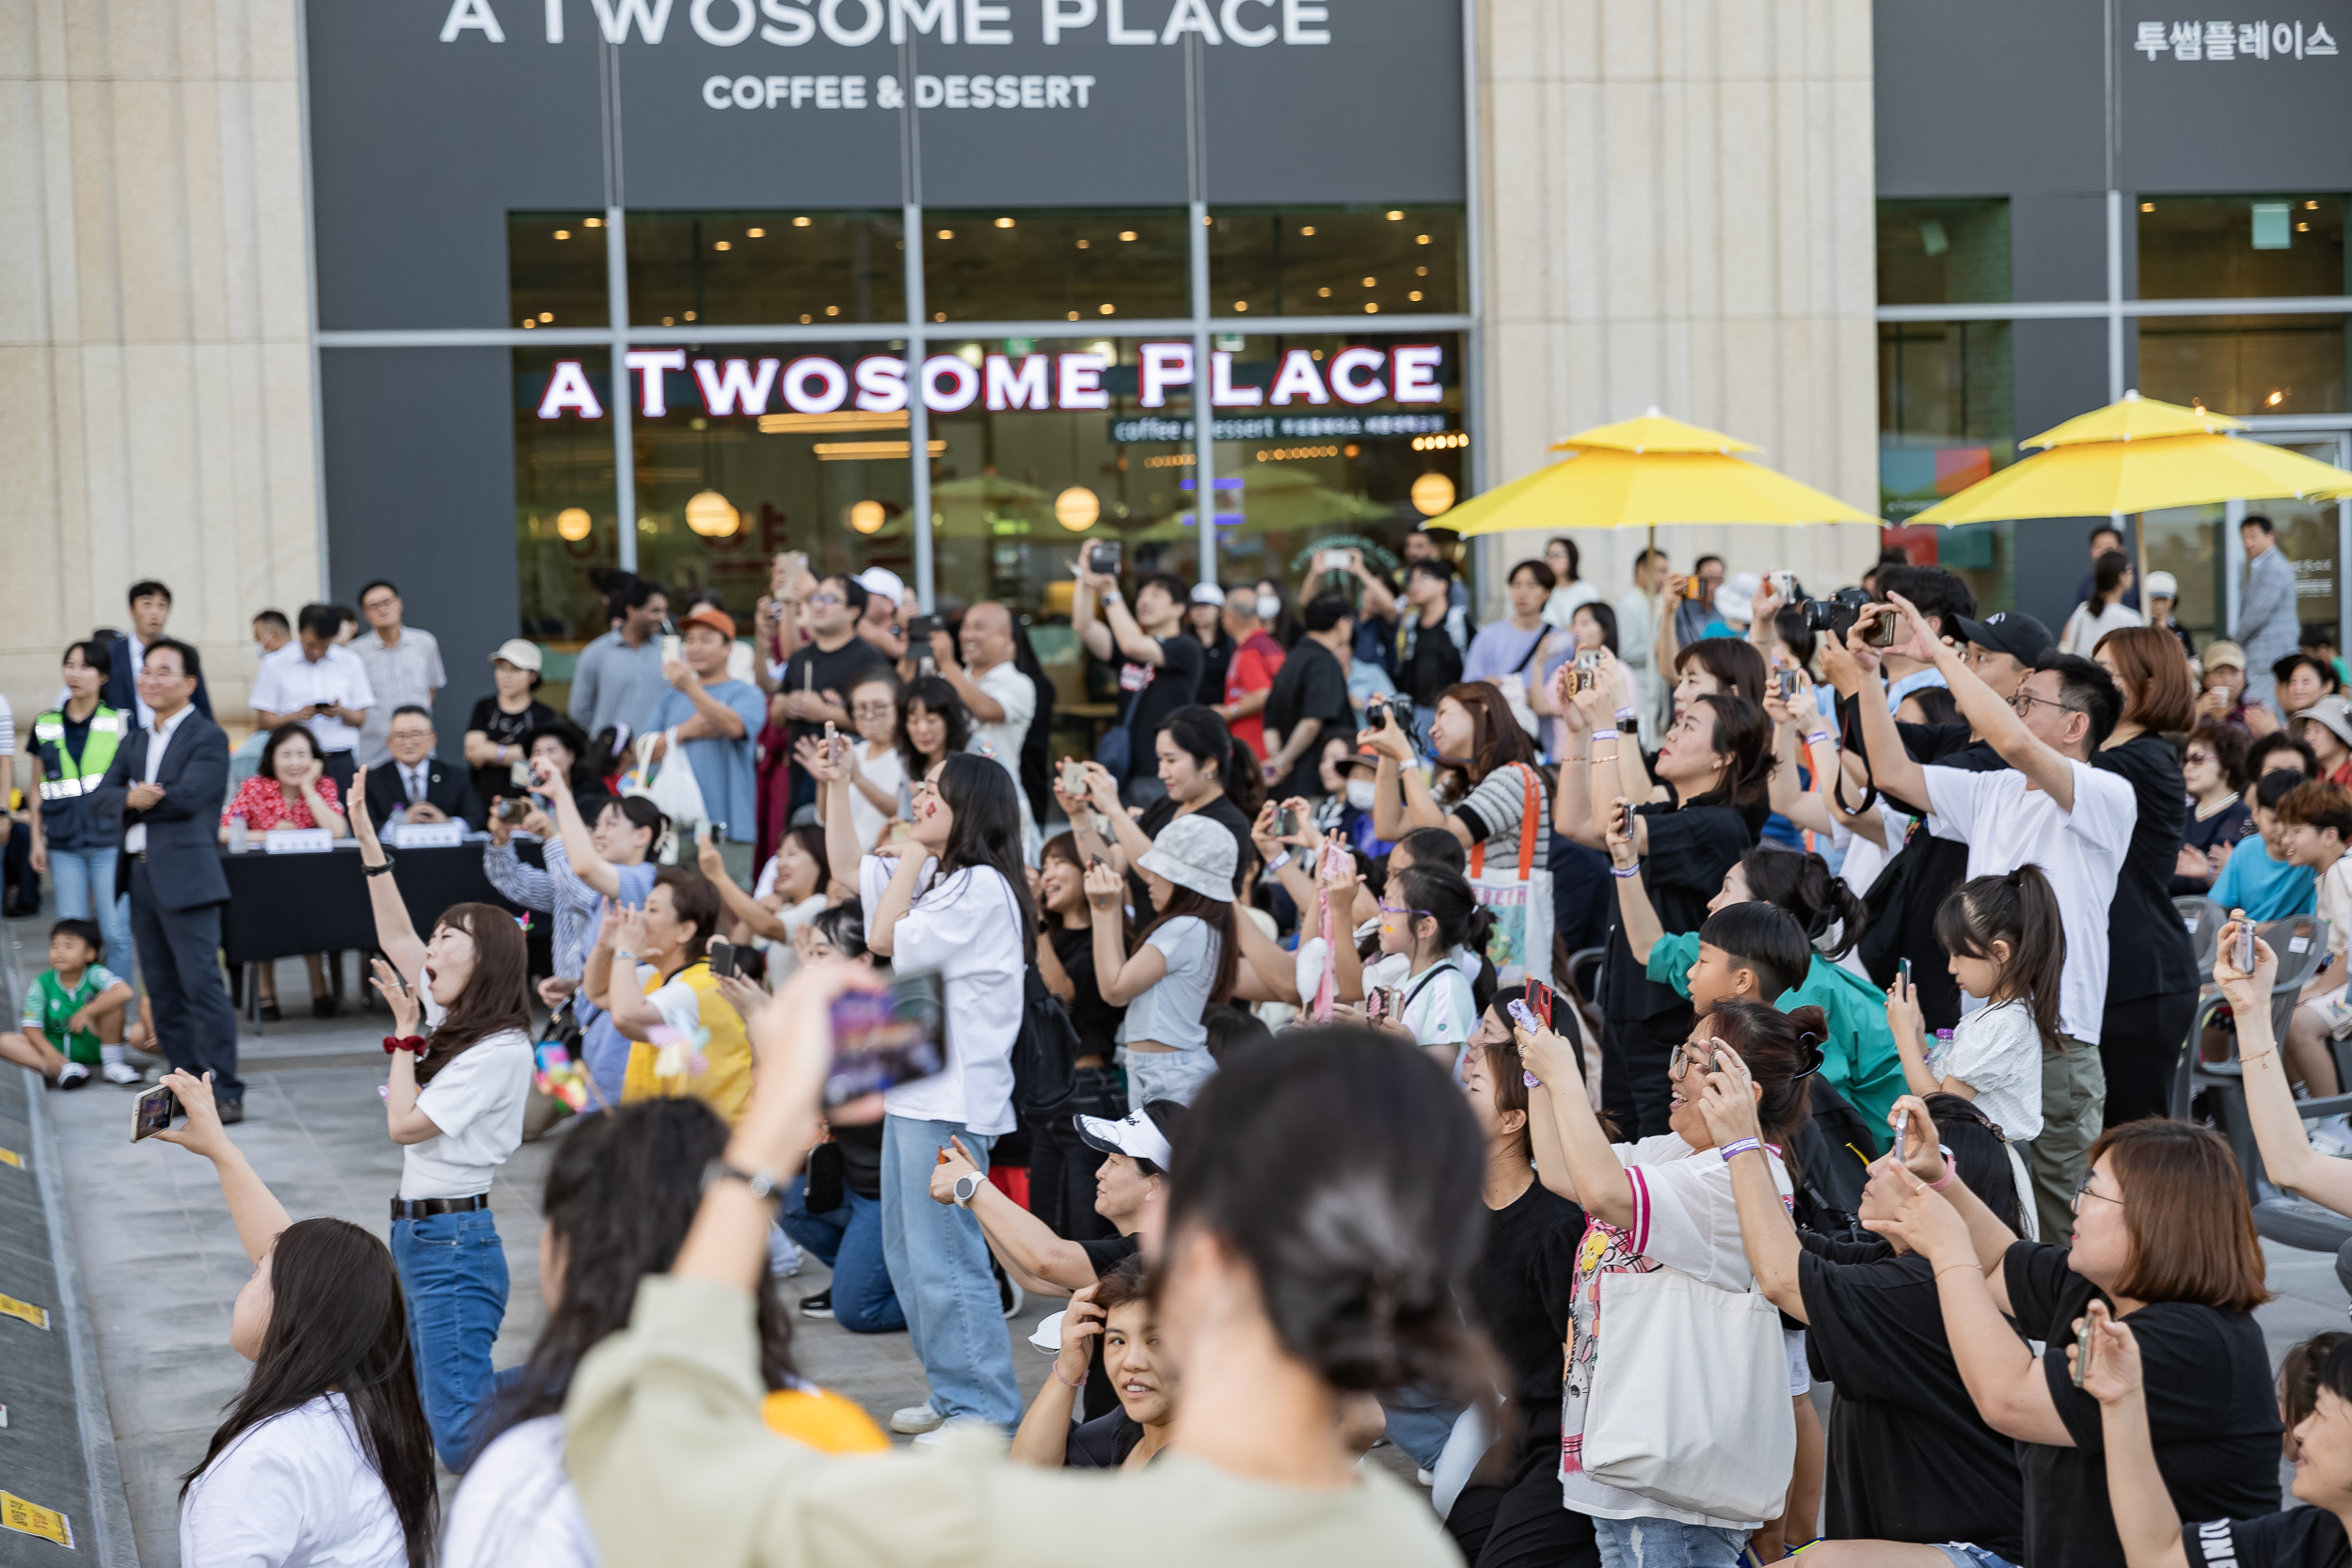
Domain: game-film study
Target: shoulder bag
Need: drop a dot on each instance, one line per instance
(1519, 895)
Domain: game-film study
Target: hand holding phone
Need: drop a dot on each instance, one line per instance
(722, 958)
(2243, 957)
(883, 1038)
(153, 1111)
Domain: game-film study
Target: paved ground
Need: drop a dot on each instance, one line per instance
(162, 1265)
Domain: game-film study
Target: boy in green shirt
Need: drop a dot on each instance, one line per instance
(1750, 950)
(77, 1003)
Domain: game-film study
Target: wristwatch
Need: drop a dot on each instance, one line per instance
(967, 1187)
(380, 870)
(763, 1184)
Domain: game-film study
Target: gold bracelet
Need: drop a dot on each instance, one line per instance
(1955, 1268)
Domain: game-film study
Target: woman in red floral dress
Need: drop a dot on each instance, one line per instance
(290, 790)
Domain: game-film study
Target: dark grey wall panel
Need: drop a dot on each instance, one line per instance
(421, 490)
(1988, 98)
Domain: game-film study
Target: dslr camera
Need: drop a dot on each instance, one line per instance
(1837, 614)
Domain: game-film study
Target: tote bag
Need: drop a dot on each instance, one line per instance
(1518, 894)
(674, 788)
(1690, 1402)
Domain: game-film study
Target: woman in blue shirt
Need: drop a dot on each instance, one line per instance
(718, 721)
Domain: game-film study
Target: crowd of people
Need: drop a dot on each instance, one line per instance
(1375, 1003)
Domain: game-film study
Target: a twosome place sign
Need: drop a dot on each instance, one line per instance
(1355, 376)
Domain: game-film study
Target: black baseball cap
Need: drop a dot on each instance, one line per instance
(2009, 631)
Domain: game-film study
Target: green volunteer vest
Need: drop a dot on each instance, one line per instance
(62, 778)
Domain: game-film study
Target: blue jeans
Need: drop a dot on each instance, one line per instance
(939, 1266)
(847, 1241)
(1665, 1544)
(86, 883)
(1177, 1075)
(453, 1273)
(1419, 1422)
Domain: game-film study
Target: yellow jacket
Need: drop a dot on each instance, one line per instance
(726, 1082)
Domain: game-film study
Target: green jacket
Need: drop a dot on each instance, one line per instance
(1859, 1059)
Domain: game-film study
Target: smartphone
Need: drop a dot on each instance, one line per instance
(1286, 823)
(1903, 1130)
(2245, 955)
(1693, 587)
(673, 646)
(153, 1111)
(1785, 584)
(722, 955)
(1103, 558)
(716, 832)
(1589, 659)
(790, 565)
(1525, 1016)
(920, 629)
(518, 772)
(512, 811)
(1788, 683)
(1881, 632)
(1376, 713)
(833, 747)
(1375, 1003)
(2083, 1343)
(883, 1038)
(1539, 1000)
(1073, 779)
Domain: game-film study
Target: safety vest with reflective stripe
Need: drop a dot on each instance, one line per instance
(64, 779)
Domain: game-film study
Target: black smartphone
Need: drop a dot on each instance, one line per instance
(153, 1111)
(1883, 630)
(1103, 558)
(1376, 713)
(919, 630)
(1905, 964)
(883, 1038)
(722, 955)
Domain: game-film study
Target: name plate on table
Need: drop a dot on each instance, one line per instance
(298, 841)
(429, 835)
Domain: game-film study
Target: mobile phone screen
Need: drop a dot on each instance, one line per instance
(153, 1111)
(721, 953)
(883, 1038)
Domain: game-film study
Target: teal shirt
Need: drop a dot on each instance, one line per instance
(1859, 1059)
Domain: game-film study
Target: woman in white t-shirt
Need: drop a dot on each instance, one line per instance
(1187, 958)
(1665, 1202)
(1429, 915)
(794, 888)
(326, 1457)
(2104, 611)
(878, 769)
(455, 1104)
(952, 897)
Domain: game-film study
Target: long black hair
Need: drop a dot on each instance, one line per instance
(1800, 882)
(338, 1324)
(986, 832)
(1979, 1153)
(1446, 896)
(621, 1193)
(938, 697)
(1288, 1160)
(2018, 908)
(497, 996)
(1604, 616)
(1201, 734)
(1743, 733)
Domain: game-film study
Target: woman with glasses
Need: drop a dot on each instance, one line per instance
(1663, 1203)
(2152, 968)
(2214, 768)
(1430, 916)
(2163, 1236)
(876, 760)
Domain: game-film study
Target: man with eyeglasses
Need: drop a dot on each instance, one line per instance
(816, 679)
(2050, 807)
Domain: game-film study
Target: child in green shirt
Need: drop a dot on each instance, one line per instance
(1745, 956)
(74, 1008)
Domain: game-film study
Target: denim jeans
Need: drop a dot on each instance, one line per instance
(86, 883)
(453, 1273)
(1665, 1544)
(939, 1266)
(1419, 1422)
(847, 1241)
(1177, 1075)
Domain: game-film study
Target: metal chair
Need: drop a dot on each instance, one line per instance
(2205, 919)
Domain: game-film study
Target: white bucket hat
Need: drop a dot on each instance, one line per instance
(1196, 854)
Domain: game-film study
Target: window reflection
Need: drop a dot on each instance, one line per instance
(1944, 252)
(1009, 264)
(2244, 364)
(565, 508)
(1335, 260)
(773, 268)
(555, 269)
(2241, 246)
(1946, 420)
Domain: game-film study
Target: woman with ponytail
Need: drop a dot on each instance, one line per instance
(2008, 951)
(1665, 1202)
(1428, 913)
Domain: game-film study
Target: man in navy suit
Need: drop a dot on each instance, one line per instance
(165, 787)
(151, 608)
(425, 788)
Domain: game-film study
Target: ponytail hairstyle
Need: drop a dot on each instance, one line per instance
(1782, 1051)
(1447, 899)
(1800, 882)
(2020, 909)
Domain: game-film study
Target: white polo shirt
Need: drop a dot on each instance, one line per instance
(288, 681)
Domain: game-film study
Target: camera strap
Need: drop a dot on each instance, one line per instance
(1849, 727)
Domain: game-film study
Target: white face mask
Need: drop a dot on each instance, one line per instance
(1269, 606)
(1361, 793)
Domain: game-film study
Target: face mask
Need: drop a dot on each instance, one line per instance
(1361, 793)
(1269, 606)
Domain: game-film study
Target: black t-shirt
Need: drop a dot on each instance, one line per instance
(493, 779)
(1217, 658)
(1690, 850)
(814, 669)
(1434, 664)
(1097, 1020)
(1102, 1443)
(861, 1159)
(2211, 1413)
(2225, 826)
(1108, 1253)
(2150, 951)
(2299, 1538)
(1309, 684)
(1522, 1287)
(1153, 693)
(1909, 1457)
(1221, 810)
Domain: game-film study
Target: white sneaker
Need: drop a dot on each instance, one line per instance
(2332, 1135)
(73, 1076)
(938, 1435)
(121, 1072)
(916, 1419)
(1427, 1478)
(783, 1256)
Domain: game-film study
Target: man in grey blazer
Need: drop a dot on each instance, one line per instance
(164, 787)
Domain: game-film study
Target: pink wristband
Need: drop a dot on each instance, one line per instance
(1950, 1170)
(1063, 1381)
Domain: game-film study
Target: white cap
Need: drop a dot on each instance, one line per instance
(521, 655)
(1208, 592)
(882, 581)
(2163, 585)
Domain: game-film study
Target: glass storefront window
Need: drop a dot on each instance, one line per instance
(1945, 422)
(555, 269)
(1013, 264)
(1336, 261)
(767, 269)
(565, 509)
(2241, 246)
(1944, 252)
(2244, 364)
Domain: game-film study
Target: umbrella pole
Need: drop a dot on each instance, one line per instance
(2140, 547)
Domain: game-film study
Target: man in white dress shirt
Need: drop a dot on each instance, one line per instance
(320, 685)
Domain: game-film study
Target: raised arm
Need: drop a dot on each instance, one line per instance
(2278, 1131)
(260, 1217)
(1091, 631)
(1635, 913)
(1989, 712)
(580, 846)
(1597, 1179)
(1882, 743)
(1120, 975)
(1043, 1436)
(1401, 801)
(395, 933)
(2145, 1520)
(1728, 1104)
(743, 906)
(832, 772)
(1019, 1237)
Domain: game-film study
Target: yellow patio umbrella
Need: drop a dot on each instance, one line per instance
(1639, 474)
(2138, 455)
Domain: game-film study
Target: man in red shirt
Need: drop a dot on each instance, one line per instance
(1257, 660)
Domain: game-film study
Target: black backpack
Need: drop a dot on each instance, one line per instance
(1045, 1076)
(1831, 1164)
